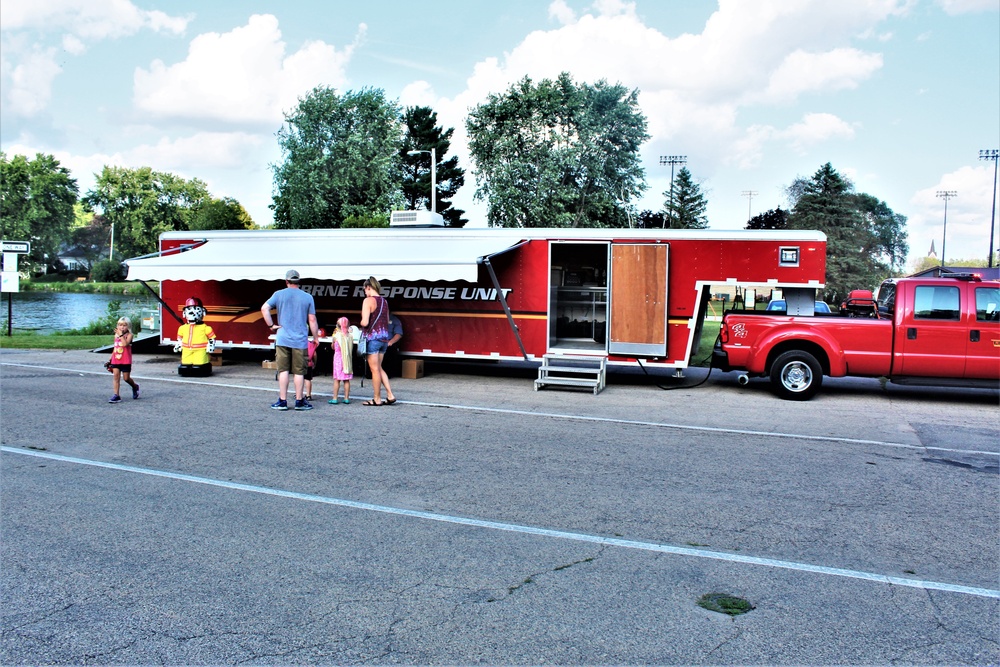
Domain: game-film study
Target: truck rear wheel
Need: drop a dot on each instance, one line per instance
(796, 376)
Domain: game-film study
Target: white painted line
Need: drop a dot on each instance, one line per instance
(553, 415)
(529, 530)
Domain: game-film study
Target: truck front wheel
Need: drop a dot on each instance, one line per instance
(796, 376)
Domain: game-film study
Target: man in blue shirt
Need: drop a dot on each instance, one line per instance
(296, 320)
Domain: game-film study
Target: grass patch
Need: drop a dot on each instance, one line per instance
(703, 355)
(724, 604)
(34, 341)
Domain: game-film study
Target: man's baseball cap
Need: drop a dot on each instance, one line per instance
(292, 276)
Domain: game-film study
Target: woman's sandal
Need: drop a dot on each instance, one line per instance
(389, 401)
(373, 403)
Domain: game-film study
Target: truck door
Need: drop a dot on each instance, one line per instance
(637, 300)
(932, 335)
(983, 359)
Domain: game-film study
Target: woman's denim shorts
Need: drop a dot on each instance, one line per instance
(377, 346)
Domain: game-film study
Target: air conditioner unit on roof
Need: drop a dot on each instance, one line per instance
(421, 218)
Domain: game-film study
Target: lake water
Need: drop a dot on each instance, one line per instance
(46, 312)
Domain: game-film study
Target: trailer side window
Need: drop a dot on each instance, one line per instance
(987, 304)
(936, 303)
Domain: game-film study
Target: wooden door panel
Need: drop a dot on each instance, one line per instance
(638, 299)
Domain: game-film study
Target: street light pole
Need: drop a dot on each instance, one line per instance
(945, 195)
(671, 160)
(749, 194)
(433, 154)
(992, 154)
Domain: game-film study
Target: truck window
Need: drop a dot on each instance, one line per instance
(987, 304)
(936, 303)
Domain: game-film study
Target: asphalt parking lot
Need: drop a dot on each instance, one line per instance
(480, 522)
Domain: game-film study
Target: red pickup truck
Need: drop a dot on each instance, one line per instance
(935, 331)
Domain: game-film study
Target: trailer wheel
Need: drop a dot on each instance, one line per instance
(796, 376)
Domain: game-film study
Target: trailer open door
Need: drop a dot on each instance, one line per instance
(638, 299)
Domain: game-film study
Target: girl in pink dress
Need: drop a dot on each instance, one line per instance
(343, 353)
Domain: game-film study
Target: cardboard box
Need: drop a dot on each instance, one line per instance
(216, 358)
(413, 368)
(272, 365)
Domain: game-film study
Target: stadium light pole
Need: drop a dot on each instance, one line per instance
(433, 154)
(749, 194)
(672, 160)
(992, 154)
(945, 195)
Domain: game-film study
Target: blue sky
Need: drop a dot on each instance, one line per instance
(899, 95)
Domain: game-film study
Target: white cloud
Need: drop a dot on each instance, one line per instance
(561, 12)
(838, 69)
(27, 81)
(242, 76)
(29, 60)
(191, 154)
(816, 128)
(955, 7)
(85, 18)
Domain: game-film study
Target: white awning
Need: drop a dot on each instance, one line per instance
(326, 255)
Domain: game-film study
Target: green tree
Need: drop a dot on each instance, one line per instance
(649, 220)
(36, 205)
(864, 237)
(558, 154)
(225, 213)
(340, 159)
(142, 204)
(889, 230)
(687, 210)
(773, 219)
(423, 134)
(91, 240)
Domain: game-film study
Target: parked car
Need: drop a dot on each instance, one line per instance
(779, 304)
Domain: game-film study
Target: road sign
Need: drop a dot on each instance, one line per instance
(20, 247)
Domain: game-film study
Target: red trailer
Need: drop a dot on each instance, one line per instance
(486, 293)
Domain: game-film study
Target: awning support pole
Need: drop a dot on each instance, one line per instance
(162, 302)
(506, 308)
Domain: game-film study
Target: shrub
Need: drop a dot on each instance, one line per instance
(108, 271)
(372, 221)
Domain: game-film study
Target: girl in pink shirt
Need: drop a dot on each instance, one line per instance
(121, 361)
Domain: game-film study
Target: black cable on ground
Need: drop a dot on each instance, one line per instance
(711, 367)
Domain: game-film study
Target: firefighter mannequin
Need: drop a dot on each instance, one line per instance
(195, 341)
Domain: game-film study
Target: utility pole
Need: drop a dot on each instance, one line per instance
(945, 195)
(749, 194)
(671, 160)
(992, 154)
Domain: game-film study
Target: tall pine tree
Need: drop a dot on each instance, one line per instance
(423, 134)
(687, 210)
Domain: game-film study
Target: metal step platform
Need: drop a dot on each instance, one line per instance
(571, 370)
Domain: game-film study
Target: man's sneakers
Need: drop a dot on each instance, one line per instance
(115, 398)
(300, 404)
(135, 391)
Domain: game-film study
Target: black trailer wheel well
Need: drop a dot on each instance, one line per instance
(804, 345)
